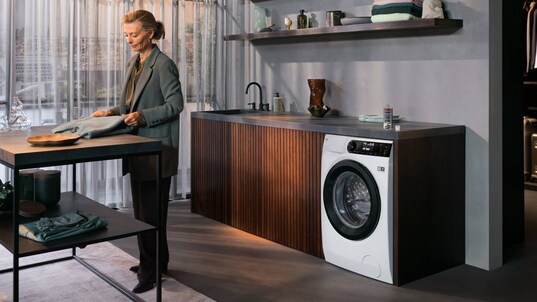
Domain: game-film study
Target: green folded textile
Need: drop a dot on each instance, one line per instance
(392, 17)
(52, 228)
(391, 9)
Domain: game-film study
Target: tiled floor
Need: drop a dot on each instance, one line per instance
(229, 265)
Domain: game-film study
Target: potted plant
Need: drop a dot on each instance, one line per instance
(6, 189)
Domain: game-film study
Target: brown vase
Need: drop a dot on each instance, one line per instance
(317, 90)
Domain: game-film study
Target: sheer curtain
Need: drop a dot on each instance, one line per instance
(196, 57)
(67, 60)
(4, 64)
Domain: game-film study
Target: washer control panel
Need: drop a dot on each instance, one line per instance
(369, 148)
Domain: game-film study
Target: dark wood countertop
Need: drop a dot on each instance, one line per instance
(350, 126)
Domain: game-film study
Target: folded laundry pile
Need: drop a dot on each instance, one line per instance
(396, 10)
(70, 224)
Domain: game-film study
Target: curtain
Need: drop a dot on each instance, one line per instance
(196, 57)
(68, 60)
(98, 56)
(4, 65)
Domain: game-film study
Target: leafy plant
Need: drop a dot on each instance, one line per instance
(5, 189)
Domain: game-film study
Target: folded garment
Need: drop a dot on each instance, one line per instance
(373, 118)
(382, 2)
(405, 8)
(433, 9)
(90, 127)
(52, 228)
(393, 17)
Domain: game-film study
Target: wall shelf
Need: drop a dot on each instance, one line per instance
(412, 27)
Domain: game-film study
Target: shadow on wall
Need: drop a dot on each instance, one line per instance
(477, 208)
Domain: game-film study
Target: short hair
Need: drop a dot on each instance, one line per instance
(148, 22)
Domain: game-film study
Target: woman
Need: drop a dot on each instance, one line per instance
(151, 102)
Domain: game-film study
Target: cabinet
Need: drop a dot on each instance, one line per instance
(267, 184)
(16, 153)
(262, 174)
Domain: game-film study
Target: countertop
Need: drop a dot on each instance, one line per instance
(350, 126)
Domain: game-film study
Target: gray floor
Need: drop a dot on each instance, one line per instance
(230, 265)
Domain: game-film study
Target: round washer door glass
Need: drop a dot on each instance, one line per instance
(352, 200)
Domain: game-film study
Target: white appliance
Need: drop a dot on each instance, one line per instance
(357, 205)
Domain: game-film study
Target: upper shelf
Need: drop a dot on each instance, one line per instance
(411, 26)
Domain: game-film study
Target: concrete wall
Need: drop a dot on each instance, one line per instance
(441, 79)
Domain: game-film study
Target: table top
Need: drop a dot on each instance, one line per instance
(17, 152)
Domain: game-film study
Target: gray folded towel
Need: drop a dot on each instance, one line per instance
(70, 224)
(90, 127)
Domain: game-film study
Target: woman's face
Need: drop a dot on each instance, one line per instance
(138, 39)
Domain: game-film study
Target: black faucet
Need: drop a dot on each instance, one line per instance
(261, 105)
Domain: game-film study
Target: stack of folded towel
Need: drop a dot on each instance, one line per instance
(47, 229)
(396, 10)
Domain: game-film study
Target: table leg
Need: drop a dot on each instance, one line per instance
(15, 236)
(159, 229)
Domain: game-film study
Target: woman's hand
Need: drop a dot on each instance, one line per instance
(134, 119)
(101, 113)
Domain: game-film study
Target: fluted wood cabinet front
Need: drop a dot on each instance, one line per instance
(211, 174)
(262, 180)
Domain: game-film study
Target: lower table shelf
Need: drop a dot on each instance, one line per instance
(119, 226)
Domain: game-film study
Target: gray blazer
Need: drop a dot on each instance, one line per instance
(159, 98)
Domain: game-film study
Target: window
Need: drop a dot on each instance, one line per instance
(68, 60)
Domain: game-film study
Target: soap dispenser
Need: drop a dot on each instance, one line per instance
(277, 102)
(301, 20)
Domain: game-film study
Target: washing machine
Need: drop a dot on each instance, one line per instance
(357, 205)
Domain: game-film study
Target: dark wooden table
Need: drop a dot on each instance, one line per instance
(17, 154)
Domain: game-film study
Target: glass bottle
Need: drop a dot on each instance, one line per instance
(301, 20)
(277, 101)
(260, 18)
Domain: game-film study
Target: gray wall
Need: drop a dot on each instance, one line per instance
(441, 79)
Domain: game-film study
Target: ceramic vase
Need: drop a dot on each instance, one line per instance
(317, 90)
(47, 185)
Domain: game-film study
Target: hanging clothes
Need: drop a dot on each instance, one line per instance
(531, 28)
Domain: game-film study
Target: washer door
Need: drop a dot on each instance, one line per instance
(352, 200)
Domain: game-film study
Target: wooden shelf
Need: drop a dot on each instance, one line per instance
(355, 30)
